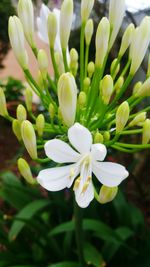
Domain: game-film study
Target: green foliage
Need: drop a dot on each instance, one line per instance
(13, 89)
(6, 10)
(39, 230)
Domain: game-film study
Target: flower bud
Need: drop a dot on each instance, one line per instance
(52, 28)
(146, 132)
(139, 45)
(25, 171)
(40, 123)
(91, 69)
(89, 28)
(116, 14)
(98, 138)
(122, 116)
(73, 61)
(28, 99)
(106, 89)
(42, 61)
(148, 69)
(59, 62)
(126, 39)
(144, 90)
(67, 96)
(16, 37)
(86, 84)
(140, 118)
(102, 38)
(51, 111)
(136, 88)
(21, 113)
(107, 194)
(106, 136)
(113, 65)
(66, 18)
(119, 84)
(16, 127)
(26, 15)
(82, 99)
(86, 8)
(3, 107)
(29, 138)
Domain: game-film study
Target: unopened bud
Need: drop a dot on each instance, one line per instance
(102, 39)
(21, 113)
(73, 61)
(26, 15)
(52, 28)
(126, 39)
(148, 69)
(59, 62)
(16, 36)
(28, 99)
(122, 116)
(144, 90)
(139, 44)
(106, 89)
(40, 123)
(67, 96)
(42, 61)
(119, 84)
(136, 88)
(51, 111)
(25, 171)
(113, 66)
(82, 99)
(3, 107)
(66, 18)
(146, 132)
(86, 8)
(86, 84)
(29, 138)
(98, 138)
(89, 28)
(115, 18)
(16, 127)
(107, 194)
(138, 120)
(91, 69)
(106, 136)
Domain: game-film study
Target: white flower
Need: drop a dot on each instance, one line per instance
(87, 158)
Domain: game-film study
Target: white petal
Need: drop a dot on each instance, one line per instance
(84, 199)
(60, 151)
(55, 179)
(109, 174)
(98, 152)
(80, 137)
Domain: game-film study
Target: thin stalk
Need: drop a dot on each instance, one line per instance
(82, 55)
(54, 63)
(65, 60)
(86, 59)
(78, 217)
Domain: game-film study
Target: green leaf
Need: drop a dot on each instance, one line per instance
(25, 215)
(92, 255)
(64, 227)
(64, 264)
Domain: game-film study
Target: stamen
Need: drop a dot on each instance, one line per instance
(72, 173)
(77, 183)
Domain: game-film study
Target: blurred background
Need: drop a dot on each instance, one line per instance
(123, 235)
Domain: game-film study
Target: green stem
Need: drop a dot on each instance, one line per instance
(38, 160)
(78, 217)
(65, 60)
(54, 63)
(82, 55)
(86, 59)
(133, 145)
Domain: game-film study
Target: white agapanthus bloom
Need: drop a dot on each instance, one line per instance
(85, 159)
